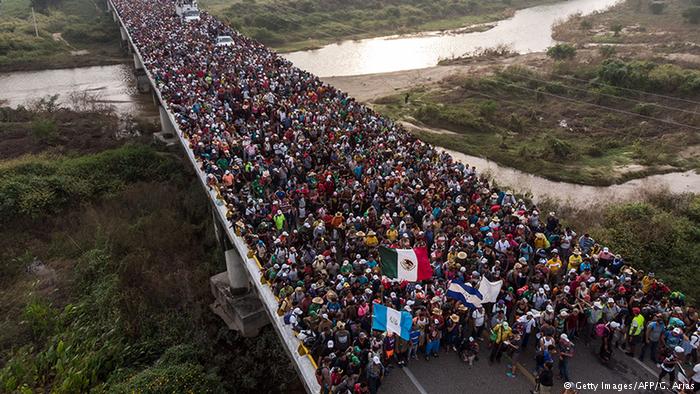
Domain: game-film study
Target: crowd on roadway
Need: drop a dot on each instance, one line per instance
(315, 182)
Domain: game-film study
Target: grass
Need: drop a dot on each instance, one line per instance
(304, 24)
(81, 24)
(659, 232)
(558, 128)
(105, 258)
(633, 22)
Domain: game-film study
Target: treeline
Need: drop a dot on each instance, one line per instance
(280, 22)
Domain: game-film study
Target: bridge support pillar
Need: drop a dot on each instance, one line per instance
(137, 63)
(122, 31)
(109, 6)
(167, 134)
(143, 85)
(243, 313)
(165, 124)
(114, 15)
(235, 301)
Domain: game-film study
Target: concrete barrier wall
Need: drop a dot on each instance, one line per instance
(304, 364)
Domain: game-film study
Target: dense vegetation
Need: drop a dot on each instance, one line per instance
(663, 27)
(296, 24)
(65, 27)
(658, 233)
(104, 266)
(581, 123)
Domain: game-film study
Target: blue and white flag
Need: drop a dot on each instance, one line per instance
(388, 319)
(464, 293)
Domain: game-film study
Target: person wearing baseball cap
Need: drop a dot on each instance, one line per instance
(375, 374)
(670, 363)
(634, 334)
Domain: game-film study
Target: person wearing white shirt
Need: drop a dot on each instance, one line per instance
(478, 317)
(528, 324)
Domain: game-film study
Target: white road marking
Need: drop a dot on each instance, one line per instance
(414, 380)
(646, 367)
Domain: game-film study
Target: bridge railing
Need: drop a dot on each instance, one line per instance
(303, 362)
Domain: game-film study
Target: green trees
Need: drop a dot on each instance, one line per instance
(661, 234)
(649, 76)
(692, 15)
(561, 52)
(656, 7)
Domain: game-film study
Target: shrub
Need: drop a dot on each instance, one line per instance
(656, 7)
(488, 108)
(38, 188)
(606, 51)
(616, 29)
(561, 52)
(44, 129)
(692, 15)
(644, 109)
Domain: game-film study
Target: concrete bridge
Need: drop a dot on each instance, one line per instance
(246, 304)
(242, 300)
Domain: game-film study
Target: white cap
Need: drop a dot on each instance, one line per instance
(614, 324)
(679, 349)
(375, 359)
(610, 300)
(564, 337)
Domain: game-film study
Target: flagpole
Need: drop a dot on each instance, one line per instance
(36, 30)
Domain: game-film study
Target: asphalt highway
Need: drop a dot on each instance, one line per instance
(448, 374)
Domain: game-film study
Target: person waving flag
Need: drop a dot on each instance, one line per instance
(412, 265)
(464, 293)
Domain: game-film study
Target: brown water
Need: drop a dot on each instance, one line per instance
(529, 30)
(117, 86)
(114, 85)
(541, 188)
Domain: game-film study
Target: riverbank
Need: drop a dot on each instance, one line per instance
(71, 33)
(640, 30)
(303, 25)
(543, 116)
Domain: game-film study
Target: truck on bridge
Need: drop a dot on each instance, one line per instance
(187, 10)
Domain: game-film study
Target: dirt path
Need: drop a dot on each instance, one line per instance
(370, 87)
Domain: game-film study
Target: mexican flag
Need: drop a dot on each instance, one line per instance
(406, 264)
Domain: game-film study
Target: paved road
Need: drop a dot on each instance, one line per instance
(447, 374)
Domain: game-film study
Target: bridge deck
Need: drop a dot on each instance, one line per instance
(304, 364)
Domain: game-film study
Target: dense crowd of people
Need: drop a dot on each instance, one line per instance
(316, 182)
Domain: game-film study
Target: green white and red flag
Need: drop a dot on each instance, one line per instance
(412, 265)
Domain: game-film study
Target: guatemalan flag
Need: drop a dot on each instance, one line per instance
(464, 293)
(388, 319)
(412, 265)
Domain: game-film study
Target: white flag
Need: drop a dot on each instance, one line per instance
(489, 290)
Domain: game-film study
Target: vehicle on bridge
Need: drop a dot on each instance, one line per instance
(187, 10)
(224, 41)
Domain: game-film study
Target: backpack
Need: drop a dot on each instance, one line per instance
(287, 317)
(600, 330)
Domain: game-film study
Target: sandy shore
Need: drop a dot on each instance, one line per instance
(369, 87)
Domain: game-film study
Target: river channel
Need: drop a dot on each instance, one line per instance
(529, 30)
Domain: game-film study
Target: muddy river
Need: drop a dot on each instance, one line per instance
(529, 30)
